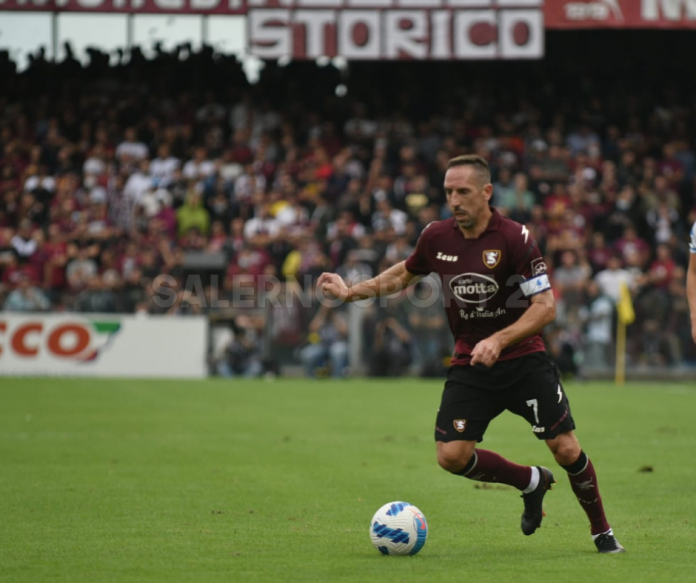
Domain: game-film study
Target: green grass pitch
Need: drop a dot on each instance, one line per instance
(257, 481)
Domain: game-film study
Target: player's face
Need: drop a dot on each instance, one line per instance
(467, 194)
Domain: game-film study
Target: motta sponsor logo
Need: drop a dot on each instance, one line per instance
(77, 340)
(473, 288)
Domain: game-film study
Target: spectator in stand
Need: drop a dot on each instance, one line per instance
(632, 245)
(518, 200)
(597, 315)
(295, 186)
(98, 297)
(598, 254)
(80, 269)
(199, 166)
(131, 151)
(328, 334)
(263, 226)
(611, 279)
(192, 215)
(664, 221)
(569, 278)
(391, 354)
(26, 298)
(163, 168)
(353, 270)
(23, 242)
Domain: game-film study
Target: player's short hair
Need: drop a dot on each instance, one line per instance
(478, 162)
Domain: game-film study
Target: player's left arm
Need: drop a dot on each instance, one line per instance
(541, 311)
(528, 263)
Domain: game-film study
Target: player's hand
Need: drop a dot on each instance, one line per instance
(333, 286)
(486, 352)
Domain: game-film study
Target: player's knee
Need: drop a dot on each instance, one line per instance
(565, 449)
(453, 460)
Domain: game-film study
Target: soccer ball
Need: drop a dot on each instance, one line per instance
(398, 528)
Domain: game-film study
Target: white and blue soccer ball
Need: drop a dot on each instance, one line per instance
(398, 528)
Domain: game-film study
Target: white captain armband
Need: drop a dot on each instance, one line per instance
(536, 285)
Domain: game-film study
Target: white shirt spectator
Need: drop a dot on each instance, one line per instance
(24, 247)
(246, 184)
(137, 185)
(98, 195)
(361, 127)
(194, 170)
(291, 215)
(45, 182)
(610, 281)
(95, 166)
(152, 201)
(133, 150)
(163, 169)
(257, 226)
(601, 311)
(80, 270)
(396, 219)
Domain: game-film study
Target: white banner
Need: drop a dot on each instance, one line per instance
(376, 33)
(103, 345)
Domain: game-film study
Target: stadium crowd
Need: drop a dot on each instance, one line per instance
(112, 175)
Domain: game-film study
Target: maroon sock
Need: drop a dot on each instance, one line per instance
(583, 480)
(488, 466)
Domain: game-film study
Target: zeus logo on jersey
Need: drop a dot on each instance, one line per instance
(446, 257)
(473, 288)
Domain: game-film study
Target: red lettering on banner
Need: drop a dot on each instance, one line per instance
(54, 340)
(3, 328)
(19, 339)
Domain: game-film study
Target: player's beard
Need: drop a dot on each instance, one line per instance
(466, 222)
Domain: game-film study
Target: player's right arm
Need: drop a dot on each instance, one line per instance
(691, 281)
(394, 279)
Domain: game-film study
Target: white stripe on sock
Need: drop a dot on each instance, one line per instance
(473, 466)
(610, 531)
(533, 483)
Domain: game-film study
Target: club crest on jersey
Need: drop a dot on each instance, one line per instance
(491, 258)
(460, 425)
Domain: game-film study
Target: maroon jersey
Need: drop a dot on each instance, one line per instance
(486, 281)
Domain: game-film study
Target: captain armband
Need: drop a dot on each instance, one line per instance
(536, 285)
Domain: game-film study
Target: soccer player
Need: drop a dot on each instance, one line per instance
(497, 298)
(691, 281)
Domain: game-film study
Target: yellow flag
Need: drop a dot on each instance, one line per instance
(624, 307)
